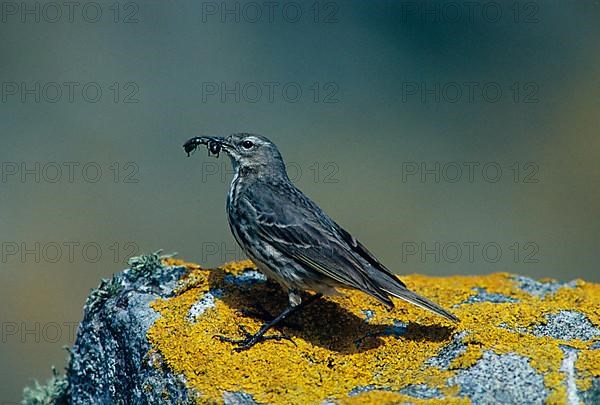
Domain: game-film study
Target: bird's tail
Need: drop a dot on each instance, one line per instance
(422, 302)
(394, 287)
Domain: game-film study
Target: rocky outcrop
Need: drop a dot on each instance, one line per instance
(148, 337)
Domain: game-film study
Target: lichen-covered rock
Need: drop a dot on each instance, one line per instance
(148, 336)
(111, 361)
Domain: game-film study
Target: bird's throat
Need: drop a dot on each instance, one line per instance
(245, 171)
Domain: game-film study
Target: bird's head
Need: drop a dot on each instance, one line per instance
(248, 152)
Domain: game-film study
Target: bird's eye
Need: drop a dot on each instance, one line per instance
(247, 144)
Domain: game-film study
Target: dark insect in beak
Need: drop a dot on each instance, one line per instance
(213, 144)
(214, 147)
(191, 145)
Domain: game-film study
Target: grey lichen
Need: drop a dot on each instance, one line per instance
(54, 392)
(238, 398)
(206, 302)
(563, 325)
(541, 289)
(369, 314)
(421, 391)
(483, 296)
(501, 378)
(567, 325)
(366, 388)
(449, 352)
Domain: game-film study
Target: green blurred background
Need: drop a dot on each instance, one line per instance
(374, 105)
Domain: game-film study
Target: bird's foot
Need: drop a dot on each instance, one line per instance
(251, 339)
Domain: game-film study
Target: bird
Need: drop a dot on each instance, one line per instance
(290, 239)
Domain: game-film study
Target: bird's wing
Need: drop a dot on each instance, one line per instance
(363, 252)
(297, 228)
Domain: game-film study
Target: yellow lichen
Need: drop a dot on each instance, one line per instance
(336, 350)
(390, 398)
(468, 358)
(588, 363)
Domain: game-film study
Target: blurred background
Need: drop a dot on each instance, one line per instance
(449, 137)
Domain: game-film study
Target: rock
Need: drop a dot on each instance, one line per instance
(148, 337)
(112, 361)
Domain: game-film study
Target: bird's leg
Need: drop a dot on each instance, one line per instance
(249, 336)
(250, 340)
(259, 312)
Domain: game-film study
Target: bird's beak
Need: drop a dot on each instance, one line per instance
(214, 144)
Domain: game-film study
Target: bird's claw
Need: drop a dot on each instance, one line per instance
(251, 339)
